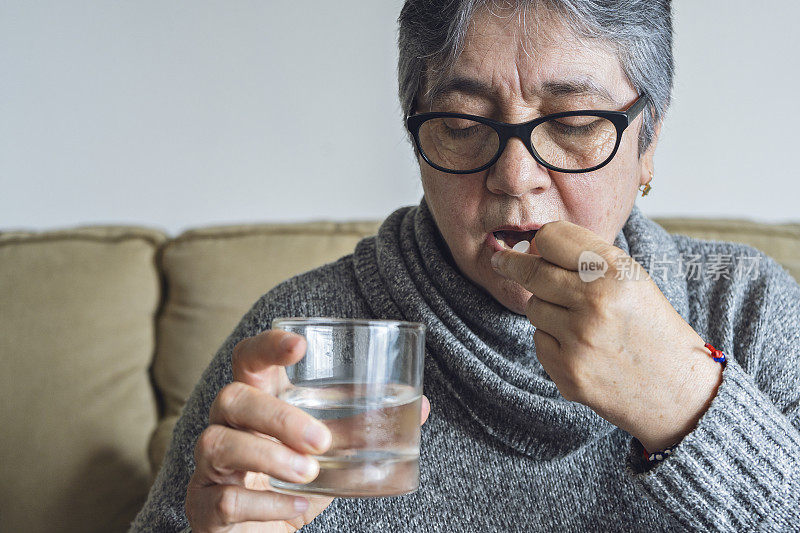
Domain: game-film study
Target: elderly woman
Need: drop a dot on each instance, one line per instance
(560, 398)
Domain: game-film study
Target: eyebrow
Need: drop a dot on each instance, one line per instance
(569, 87)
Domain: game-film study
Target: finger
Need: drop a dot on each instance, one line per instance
(540, 277)
(561, 242)
(547, 351)
(259, 360)
(225, 505)
(243, 406)
(376, 427)
(550, 318)
(221, 450)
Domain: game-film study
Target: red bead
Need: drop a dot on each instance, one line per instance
(717, 355)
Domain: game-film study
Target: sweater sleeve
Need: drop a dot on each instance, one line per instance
(164, 509)
(739, 469)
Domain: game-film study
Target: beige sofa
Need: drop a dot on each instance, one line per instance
(105, 330)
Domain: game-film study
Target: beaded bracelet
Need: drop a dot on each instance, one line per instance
(655, 457)
(717, 355)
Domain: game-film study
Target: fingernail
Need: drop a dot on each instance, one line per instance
(300, 505)
(288, 342)
(317, 435)
(496, 260)
(305, 466)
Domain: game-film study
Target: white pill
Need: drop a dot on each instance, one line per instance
(522, 247)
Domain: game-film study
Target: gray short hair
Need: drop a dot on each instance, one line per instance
(432, 34)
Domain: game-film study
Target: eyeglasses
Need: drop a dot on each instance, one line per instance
(573, 141)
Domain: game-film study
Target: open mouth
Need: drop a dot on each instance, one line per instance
(508, 238)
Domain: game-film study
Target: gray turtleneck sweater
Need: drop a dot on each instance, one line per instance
(502, 450)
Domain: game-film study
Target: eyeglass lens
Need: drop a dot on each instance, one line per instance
(569, 143)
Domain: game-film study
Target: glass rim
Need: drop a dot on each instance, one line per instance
(357, 322)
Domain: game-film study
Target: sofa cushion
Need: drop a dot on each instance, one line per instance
(76, 337)
(213, 277)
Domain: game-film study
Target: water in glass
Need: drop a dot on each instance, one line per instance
(375, 428)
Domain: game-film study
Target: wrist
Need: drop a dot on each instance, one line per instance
(700, 388)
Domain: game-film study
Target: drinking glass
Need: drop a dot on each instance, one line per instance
(362, 379)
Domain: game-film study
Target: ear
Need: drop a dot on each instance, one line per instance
(646, 160)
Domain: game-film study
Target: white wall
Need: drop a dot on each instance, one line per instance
(731, 140)
(184, 113)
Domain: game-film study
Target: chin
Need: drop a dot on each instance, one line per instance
(509, 294)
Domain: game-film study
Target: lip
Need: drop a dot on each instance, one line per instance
(492, 243)
(526, 227)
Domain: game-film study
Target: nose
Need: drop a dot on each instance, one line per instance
(516, 172)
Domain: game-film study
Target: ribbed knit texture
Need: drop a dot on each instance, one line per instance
(502, 450)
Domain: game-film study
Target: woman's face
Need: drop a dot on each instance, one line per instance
(558, 73)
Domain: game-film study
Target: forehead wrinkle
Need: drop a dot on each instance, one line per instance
(547, 37)
(572, 46)
(476, 59)
(486, 24)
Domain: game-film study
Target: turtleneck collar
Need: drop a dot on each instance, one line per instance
(474, 344)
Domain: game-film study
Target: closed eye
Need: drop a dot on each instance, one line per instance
(461, 133)
(568, 129)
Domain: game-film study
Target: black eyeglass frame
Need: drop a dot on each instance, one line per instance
(523, 131)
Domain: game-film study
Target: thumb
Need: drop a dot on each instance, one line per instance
(426, 409)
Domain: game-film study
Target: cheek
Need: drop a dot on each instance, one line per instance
(455, 203)
(601, 200)
(454, 200)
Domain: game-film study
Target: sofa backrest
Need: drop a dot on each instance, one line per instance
(213, 276)
(779, 241)
(78, 406)
(104, 332)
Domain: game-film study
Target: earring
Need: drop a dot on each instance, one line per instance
(646, 186)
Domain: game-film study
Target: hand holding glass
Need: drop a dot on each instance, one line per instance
(255, 438)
